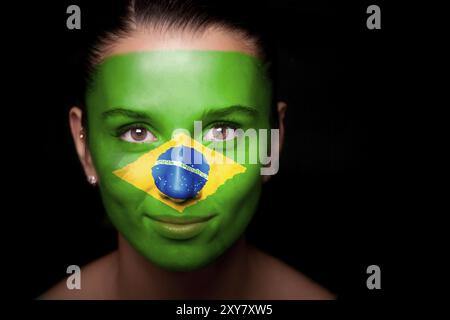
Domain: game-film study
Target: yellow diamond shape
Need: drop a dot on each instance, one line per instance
(139, 173)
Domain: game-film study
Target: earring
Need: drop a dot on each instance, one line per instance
(92, 180)
(82, 134)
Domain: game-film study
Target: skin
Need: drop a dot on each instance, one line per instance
(135, 271)
(203, 85)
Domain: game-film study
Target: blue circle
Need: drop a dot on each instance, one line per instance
(173, 176)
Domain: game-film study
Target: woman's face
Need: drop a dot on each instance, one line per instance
(148, 89)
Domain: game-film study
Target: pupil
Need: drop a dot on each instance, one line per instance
(138, 134)
(220, 133)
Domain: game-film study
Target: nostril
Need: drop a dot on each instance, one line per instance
(176, 200)
(180, 200)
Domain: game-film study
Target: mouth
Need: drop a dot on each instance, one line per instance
(179, 228)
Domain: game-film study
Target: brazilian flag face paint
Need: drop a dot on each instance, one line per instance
(178, 201)
(171, 175)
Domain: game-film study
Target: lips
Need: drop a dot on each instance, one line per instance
(179, 228)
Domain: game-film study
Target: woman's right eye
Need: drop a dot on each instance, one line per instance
(138, 135)
(220, 133)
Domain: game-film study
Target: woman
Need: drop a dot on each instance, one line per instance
(171, 67)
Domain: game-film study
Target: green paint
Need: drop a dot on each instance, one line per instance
(163, 91)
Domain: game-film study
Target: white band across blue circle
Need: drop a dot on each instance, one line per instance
(182, 165)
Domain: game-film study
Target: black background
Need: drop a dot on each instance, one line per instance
(327, 211)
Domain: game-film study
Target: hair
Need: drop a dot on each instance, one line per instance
(180, 15)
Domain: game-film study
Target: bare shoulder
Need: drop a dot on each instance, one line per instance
(277, 280)
(95, 282)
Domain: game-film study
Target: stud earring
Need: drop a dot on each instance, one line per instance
(82, 134)
(92, 180)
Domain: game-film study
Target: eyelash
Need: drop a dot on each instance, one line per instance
(123, 129)
(230, 124)
(120, 131)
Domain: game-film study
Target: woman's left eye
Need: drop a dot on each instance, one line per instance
(138, 135)
(220, 133)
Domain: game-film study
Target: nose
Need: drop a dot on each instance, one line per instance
(177, 176)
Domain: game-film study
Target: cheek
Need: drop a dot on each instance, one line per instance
(239, 198)
(238, 204)
(121, 200)
(122, 203)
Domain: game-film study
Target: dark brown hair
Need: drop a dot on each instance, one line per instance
(249, 22)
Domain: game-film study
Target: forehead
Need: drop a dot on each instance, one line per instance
(179, 79)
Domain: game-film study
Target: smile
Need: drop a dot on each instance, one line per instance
(179, 228)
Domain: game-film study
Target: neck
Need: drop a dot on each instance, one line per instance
(223, 279)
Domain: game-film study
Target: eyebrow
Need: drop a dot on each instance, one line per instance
(124, 112)
(217, 113)
(223, 112)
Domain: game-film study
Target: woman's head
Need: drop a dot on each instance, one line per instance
(168, 67)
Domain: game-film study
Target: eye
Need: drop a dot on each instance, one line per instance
(221, 133)
(138, 135)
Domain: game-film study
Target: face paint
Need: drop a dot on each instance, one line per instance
(179, 215)
(167, 176)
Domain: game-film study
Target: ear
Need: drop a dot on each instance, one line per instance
(281, 109)
(79, 138)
